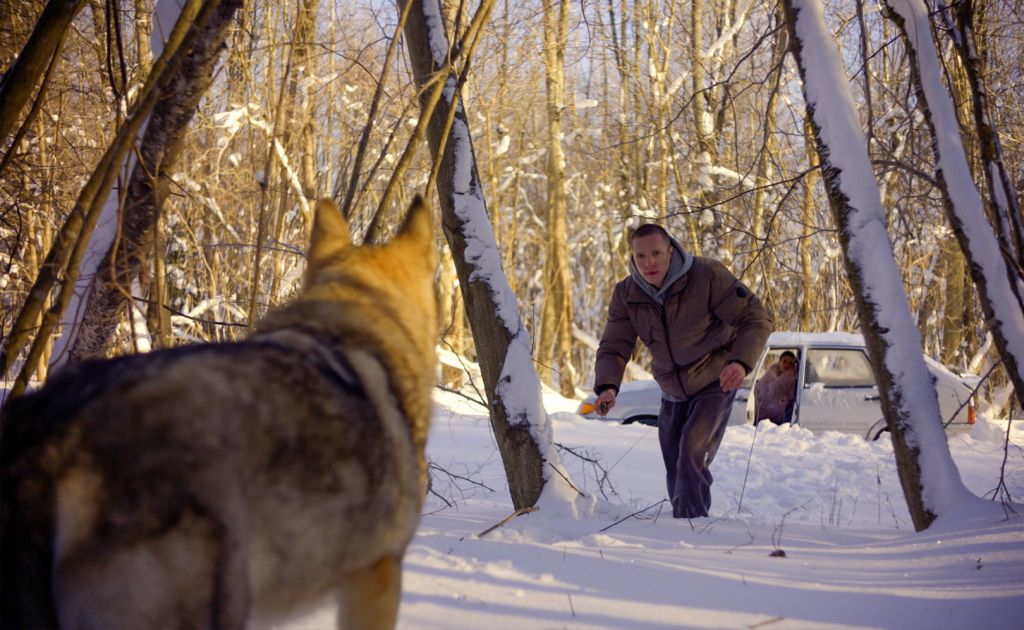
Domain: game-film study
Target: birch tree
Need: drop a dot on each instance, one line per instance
(520, 424)
(161, 144)
(72, 243)
(999, 285)
(40, 52)
(555, 348)
(1002, 194)
(931, 483)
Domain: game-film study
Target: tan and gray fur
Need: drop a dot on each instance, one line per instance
(220, 485)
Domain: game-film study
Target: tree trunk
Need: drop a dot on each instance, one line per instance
(807, 215)
(18, 82)
(1002, 198)
(497, 329)
(161, 145)
(953, 272)
(992, 268)
(69, 246)
(703, 105)
(292, 133)
(908, 398)
(452, 313)
(556, 314)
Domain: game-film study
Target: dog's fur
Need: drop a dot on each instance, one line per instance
(208, 485)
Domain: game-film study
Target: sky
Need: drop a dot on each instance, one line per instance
(831, 503)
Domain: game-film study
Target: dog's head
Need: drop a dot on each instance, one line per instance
(397, 277)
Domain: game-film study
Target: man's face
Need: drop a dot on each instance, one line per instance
(652, 255)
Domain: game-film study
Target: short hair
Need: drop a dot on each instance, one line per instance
(648, 229)
(787, 353)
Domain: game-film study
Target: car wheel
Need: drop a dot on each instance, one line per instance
(651, 421)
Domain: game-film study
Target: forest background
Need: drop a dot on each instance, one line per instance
(686, 112)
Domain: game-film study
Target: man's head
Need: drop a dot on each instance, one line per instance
(787, 361)
(652, 253)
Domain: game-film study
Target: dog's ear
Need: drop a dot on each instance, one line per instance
(419, 224)
(330, 235)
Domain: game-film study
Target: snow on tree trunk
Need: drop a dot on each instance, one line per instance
(106, 290)
(999, 287)
(64, 260)
(167, 13)
(1008, 219)
(521, 425)
(930, 480)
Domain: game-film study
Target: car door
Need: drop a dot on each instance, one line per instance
(738, 412)
(839, 392)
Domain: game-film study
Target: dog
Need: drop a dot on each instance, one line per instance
(215, 485)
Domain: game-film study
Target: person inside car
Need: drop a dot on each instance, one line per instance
(776, 390)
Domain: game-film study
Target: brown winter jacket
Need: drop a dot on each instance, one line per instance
(709, 320)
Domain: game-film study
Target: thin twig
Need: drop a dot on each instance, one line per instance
(596, 463)
(632, 515)
(974, 392)
(746, 544)
(433, 466)
(471, 399)
(567, 480)
(750, 455)
(508, 518)
(1001, 492)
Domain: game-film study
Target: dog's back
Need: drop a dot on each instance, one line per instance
(190, 487)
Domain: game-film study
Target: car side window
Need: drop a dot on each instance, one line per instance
(772, 357)
(839, 368)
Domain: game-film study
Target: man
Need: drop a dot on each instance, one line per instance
(776, 390)
(705, 330)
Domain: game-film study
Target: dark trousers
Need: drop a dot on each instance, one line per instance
(690, 433)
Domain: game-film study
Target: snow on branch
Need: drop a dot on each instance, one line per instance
(728, 32)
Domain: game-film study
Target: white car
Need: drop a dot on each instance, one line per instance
(835, 389)
(640, 401)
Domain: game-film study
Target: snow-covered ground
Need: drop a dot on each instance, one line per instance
(832, 504)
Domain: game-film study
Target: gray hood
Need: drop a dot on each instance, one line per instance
(681, 263)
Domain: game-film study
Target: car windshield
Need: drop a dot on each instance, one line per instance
(839, 368)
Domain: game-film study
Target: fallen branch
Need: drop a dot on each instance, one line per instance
(508, 518)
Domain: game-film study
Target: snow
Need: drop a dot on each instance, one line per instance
(435, 29)
(832, 503)
(831, 103)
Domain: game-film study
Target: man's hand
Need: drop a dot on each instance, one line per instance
(605, 402)
(732, 376)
